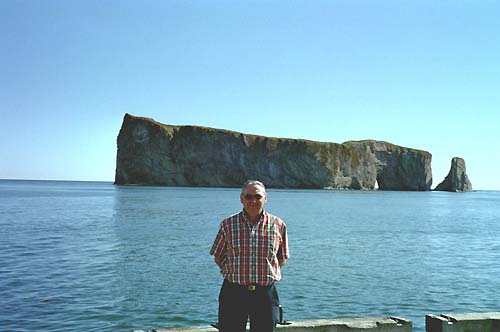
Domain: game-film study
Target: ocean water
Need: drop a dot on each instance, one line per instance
(89, 256)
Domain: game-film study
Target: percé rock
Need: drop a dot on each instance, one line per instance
(151, 153)
(457, 179)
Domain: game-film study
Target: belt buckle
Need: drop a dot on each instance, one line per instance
(251, 288)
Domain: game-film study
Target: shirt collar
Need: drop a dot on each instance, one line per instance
(245, 216)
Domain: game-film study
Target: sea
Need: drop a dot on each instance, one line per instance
(92, 256)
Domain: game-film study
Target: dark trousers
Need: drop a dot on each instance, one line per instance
(237, 303)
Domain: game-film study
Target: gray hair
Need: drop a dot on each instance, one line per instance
(253, 183)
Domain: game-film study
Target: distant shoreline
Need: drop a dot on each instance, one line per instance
(145, 185)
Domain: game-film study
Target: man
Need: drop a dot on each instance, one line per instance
(250, 248)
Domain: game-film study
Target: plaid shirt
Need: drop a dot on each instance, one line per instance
(250, 253)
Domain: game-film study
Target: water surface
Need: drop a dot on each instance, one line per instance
(89, 256)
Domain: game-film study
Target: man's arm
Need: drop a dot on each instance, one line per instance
(219, 248)
(283, 253)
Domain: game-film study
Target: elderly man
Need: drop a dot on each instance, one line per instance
(250, 248)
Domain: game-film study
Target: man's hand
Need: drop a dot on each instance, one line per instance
(281, 262)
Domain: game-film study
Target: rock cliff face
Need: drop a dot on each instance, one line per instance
(151, 153)
(457, 179)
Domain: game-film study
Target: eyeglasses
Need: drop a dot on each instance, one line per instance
(250, 197)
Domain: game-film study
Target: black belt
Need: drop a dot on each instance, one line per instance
(251, 287)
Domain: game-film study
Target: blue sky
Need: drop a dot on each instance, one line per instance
(423, 74)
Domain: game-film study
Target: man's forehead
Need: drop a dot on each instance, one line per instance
(254, 188)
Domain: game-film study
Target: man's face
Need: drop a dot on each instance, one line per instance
(251, 202)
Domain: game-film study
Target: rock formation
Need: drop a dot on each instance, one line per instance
(151, 153)
(457, 179)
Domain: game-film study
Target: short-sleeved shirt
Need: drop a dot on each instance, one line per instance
(250, 253)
